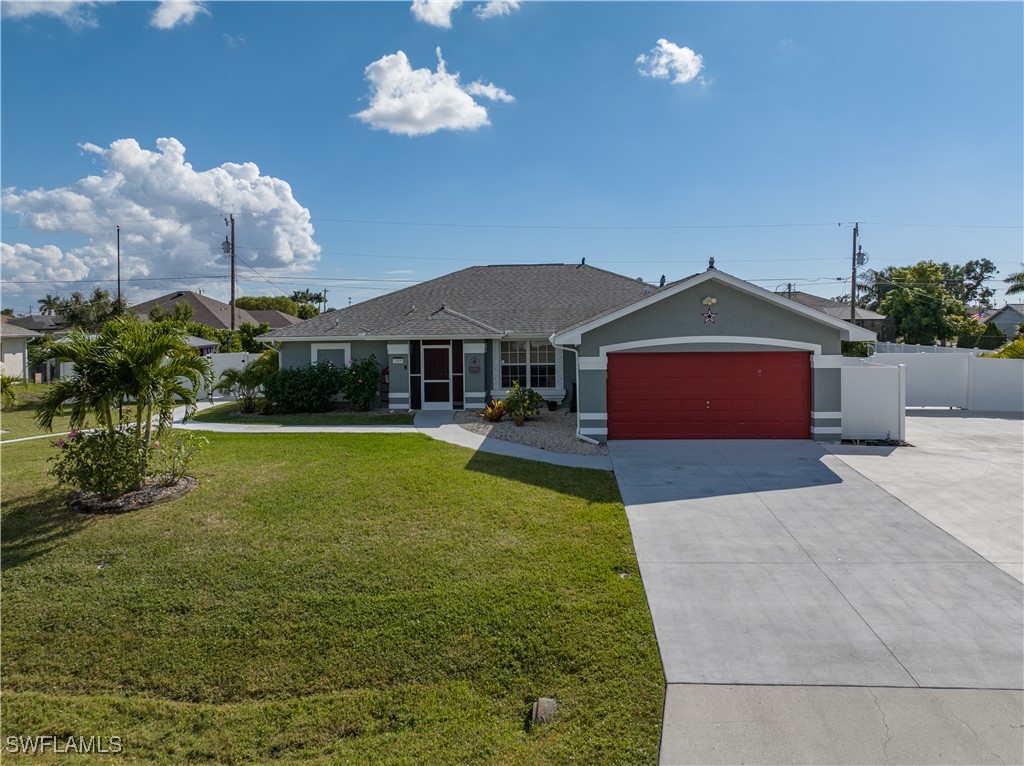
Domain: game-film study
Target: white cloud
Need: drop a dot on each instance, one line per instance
(437, 13)
(416, 102)
(74, 13)
(669, 60)
(171, 218)
(493, 8)
(490, 91)
(171, 13)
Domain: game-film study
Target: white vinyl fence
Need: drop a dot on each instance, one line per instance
(912, 348)
(873, 400)
(221, 362)
(964, 381)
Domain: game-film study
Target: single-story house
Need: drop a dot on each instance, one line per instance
(882, 326)
(709, 356)
(1007, 318)
(212, 312)
(14, 342)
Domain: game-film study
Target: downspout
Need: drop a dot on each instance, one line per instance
(579, 436)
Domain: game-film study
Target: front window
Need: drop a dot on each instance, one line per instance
(531, 364)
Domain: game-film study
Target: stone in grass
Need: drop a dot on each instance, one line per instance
(544, 710)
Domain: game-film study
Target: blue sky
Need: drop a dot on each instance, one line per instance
(554, 143)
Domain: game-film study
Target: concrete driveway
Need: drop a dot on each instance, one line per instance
(792, 597)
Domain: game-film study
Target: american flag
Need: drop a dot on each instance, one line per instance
(979, 315)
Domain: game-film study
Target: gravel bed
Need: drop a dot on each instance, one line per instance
(554, 431)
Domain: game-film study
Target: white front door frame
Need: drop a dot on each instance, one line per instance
(424, 404)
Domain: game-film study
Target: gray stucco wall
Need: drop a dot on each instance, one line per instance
(738, 314)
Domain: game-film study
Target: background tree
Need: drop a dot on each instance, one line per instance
(49, 305)
(308, 302)
(247, 383)
(967, 283)
(92, 312)
(1015, 282)
(280, 303)
(923, 308)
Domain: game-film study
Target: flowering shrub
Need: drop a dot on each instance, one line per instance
(520, 403)
(303, 389)
(359, 382)
(494, 411)
(113, 463)
(109, 463)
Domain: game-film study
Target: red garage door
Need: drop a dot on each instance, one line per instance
(735, 395)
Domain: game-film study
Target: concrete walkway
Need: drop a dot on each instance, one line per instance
(437, 425)
(805, 615)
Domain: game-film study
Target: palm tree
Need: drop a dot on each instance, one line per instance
(245, 384)
(49, 305)
(1015, 282)
(147, 364)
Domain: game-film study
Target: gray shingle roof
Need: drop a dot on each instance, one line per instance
(273, 317)
(205, 310)
(11, 330)
(481, 301)
(833, 308)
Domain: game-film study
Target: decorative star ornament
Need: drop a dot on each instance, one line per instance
(709, 316)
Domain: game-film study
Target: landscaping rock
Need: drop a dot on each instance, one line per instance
(153, 492)
(553, 431)
(544, 710)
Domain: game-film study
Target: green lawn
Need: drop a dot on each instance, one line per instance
(18, 421)
(228, 413)
(331, 598)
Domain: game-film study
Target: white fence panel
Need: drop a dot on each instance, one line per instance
(912, 348)
(221, 362)
(933, 380)
(997, 385)
(874, 401)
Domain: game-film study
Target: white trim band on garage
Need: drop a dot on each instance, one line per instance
(705, 340)
(826, 361)
(593, 416)
(827, 415)
(594, 431)
(593, 363)
(398, 395)
(475, 394)
(826, 429)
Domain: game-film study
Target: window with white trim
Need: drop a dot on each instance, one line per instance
(531, 364)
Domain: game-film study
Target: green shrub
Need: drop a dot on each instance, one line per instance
(173, 455)
(520, 403)
(1013, 350)
(990, 337)
(860, 348)
(109, 463)
(8, 396)
(245, 384)
(303, 389)
(359, 382)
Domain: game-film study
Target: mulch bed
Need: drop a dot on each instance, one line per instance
(153, 492)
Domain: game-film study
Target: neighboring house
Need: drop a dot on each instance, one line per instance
(14, 342)
(273, 317)
(42, 323)
(205, 310)
(710, 356)
(882, 326)
(1007, 319)
(202, 345)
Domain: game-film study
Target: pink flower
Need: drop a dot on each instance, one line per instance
(73, 434)
(156, 444)
(60, 442)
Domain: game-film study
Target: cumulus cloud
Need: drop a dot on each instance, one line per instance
(669, 60)
(74, 13)
(171, 13)
(437, 13)
(171, 218)
(493, 8)
(416, 102)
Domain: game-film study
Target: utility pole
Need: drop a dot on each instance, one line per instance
(853, 276)
(119, 268)
(323, 301)
(229, 247)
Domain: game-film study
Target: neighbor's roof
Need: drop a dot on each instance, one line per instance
(196, 342)
(993, 313)
(836, 309)
(273, 317)
(40, 322)
(10, 330)
(205, 310)
(481, 301)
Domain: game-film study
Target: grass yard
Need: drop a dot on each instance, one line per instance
(18, 421)
(228, 413)
(331, 598)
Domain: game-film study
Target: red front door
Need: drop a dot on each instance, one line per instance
(709, 395)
